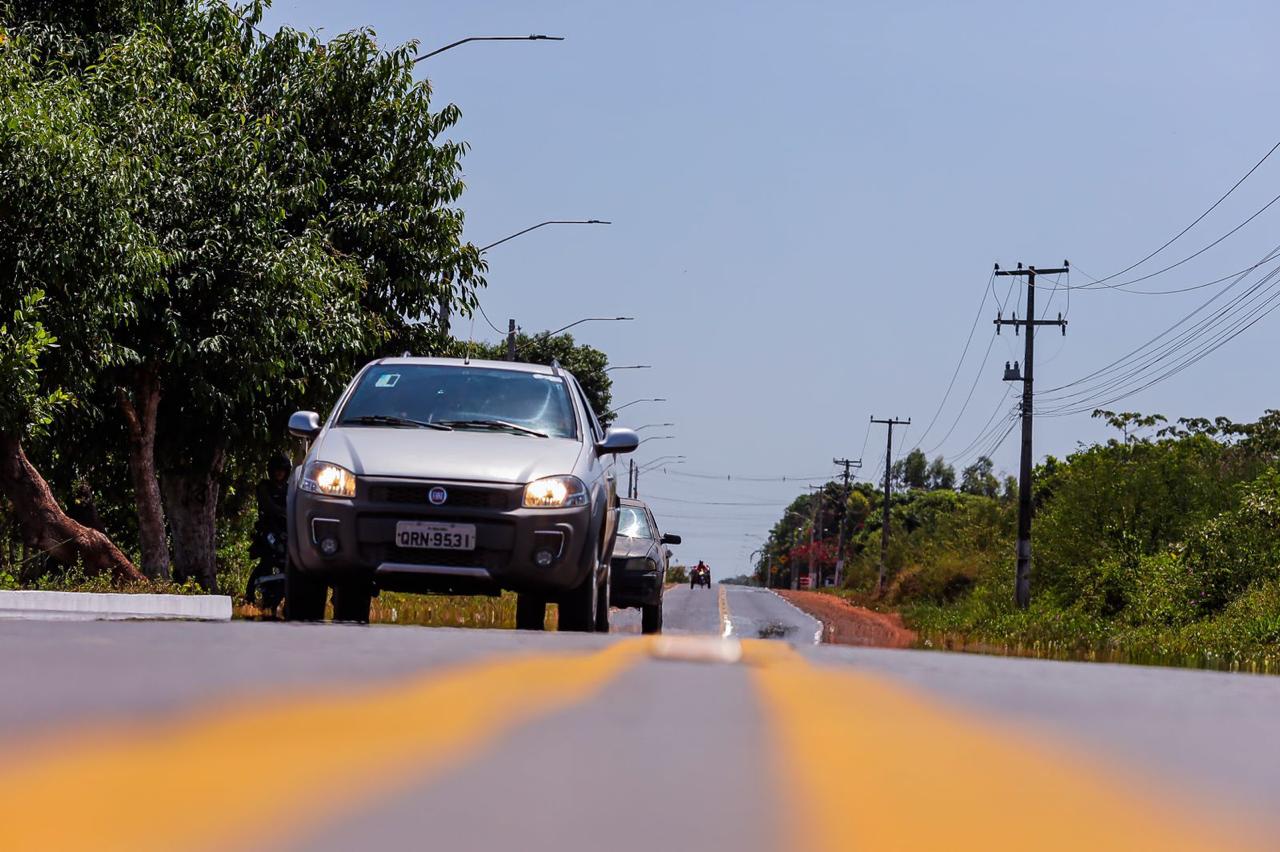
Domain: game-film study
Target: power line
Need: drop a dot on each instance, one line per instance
(960, 363)
(729, 477)
(1100, 285)
(1123, 386)
(968, 398)
(1143, 347)
(1240, 313)
(773, 503)
(490, 322)
(1197, 220)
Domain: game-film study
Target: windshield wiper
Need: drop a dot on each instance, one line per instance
(392, 420)
(498, 424)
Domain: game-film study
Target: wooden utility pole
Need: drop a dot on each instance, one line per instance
(1022, 580)
(888, 492)
(818, 491)
(846, 464)
(511, 340)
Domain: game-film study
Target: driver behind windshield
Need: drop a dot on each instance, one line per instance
(448, 395)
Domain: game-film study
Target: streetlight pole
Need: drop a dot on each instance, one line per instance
(660, 461)
(511, 323)
(444, 300)
(629, 367)
(636, 402)
(651, 426)
(470, 39)
(521, 233)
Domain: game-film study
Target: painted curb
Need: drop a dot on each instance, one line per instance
(90, 606)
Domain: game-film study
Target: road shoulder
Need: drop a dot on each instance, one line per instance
(846, 624)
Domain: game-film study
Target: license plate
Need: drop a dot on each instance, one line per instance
(424, 534)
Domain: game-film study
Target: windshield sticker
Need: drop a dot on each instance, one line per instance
(387, 380)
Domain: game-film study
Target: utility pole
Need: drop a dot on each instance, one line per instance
(815, 582)
(846, 464)
(1022, 581)
(888, 492)
(511, 340)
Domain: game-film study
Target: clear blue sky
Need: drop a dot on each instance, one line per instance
(808, 197)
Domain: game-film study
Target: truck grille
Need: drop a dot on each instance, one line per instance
(459, 496)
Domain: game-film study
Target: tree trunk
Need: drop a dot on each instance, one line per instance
(191, 497)
(44, 523)
(139, 409)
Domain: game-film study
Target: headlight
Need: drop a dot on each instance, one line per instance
(328, 479)
(555, 492)
(641, 563)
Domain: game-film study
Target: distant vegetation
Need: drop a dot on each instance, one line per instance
(1161, 545)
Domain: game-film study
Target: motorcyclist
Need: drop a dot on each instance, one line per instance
(269, 531)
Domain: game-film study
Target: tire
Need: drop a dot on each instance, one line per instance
(692, 583)
(602, 604)
(351, 601)
(304, 596)
(531, 612)
(271, 599)
(578, 607)
(651, 618)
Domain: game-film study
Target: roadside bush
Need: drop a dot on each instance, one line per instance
(1237, 548)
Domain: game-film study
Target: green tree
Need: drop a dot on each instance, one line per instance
(912, 471)
(65, 249)
(302, 199)
(941, 475)
(979, 478)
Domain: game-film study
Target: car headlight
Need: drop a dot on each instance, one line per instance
(555, 492)
(328, 479)
(641, 563)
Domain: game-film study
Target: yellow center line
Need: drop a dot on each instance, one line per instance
(870, 765)
(212, 778)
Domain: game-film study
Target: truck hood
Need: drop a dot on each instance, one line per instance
(461, 455)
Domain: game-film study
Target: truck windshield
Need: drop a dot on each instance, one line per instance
(422, 395)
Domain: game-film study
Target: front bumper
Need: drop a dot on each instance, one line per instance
(507, 538)
(629, 587)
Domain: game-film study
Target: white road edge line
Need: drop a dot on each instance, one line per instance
(726, 623)
(817, 637)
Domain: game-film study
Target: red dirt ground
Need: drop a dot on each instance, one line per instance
(846, 624)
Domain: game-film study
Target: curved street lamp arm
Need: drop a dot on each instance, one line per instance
(484, 249)
(461, 42)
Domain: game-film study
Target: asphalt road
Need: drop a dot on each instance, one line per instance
(254, 735)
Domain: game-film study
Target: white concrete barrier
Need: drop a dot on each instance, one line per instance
(93, 606)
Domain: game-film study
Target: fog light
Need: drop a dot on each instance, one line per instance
(544, 558)
(329, 546)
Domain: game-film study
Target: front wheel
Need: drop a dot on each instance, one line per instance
(602, 604)
(651, 618)
(304, 596)
(578, 607)
(531, 612)
(351, 601)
